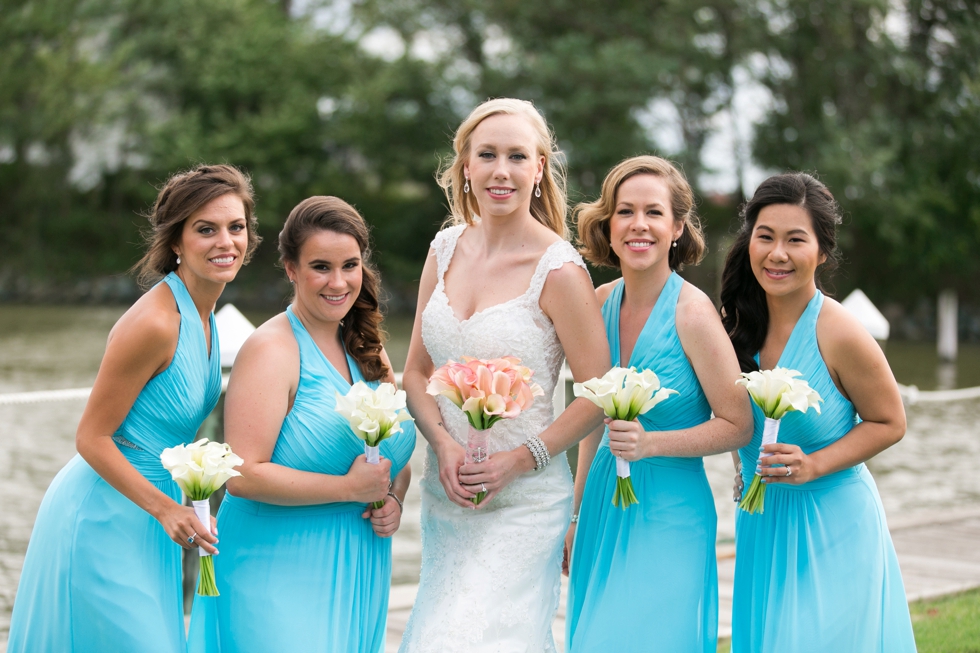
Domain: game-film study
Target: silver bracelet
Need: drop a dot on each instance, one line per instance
(575, 518)
(539, 451)
(401, 508)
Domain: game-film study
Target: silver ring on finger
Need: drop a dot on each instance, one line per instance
(789, 472)
(190, 540)
(483, 487)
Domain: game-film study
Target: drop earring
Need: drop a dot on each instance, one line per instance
(674, 244)
(537, 189)
(466, 186)
(178, 259)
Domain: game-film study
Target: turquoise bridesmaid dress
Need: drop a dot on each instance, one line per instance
(817, 571)
(645, 578)
(303, 578)
(100, 573)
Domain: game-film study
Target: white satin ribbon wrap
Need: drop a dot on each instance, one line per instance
(622, 467)
(770, 431)
(202, 509)
(371, 453)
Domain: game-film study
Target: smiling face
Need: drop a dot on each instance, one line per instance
(214, 240)
(784, 251)
(642, 227)
(327, 276)
(503, 165)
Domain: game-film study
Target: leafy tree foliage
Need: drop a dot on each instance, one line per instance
(103, 99)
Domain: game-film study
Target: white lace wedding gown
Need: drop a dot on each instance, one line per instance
(491, 577)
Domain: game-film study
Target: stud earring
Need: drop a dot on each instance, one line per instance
(675, 244)
(466, 186)
(537, 189)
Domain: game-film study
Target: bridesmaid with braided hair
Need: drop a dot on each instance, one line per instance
(306, 562)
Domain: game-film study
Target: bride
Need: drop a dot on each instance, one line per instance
(502, 281)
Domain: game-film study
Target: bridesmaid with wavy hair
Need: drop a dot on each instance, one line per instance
(644, 578)
(306, 563)
(103, 568)
(816, 570)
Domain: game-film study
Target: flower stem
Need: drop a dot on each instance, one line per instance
(754, 501)
(480, 496)
(624, 496)
(206, 585)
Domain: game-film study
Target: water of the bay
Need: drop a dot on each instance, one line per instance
(46, 348)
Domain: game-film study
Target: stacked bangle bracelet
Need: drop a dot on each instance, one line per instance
(540, 452)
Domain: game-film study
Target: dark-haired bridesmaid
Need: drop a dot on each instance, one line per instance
(103, 568)
(645, 578)
(816, 571)
(306, 563)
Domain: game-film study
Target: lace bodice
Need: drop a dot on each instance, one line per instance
(517, 327)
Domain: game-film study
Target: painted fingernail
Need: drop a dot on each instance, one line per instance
(758, 470)
(764, 479)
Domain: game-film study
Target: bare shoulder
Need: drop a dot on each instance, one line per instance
(840, 335)
(270, 343)
(602, 292)
(694, 309)
(151, 326)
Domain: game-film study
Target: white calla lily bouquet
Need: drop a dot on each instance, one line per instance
(374, 415)
(776, 392)
(624, 394)
(200, 469)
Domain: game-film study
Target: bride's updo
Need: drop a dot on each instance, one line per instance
(550, 209)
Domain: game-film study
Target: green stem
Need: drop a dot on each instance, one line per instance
(378, 504)
(624, 496)
(754, 501)
(206, 585)
(480, 496)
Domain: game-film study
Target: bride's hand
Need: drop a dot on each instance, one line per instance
(451, 457)
(493, 475)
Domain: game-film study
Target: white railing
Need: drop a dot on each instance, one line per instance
(910, 393)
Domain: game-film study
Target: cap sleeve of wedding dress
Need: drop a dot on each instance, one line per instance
(490, 577)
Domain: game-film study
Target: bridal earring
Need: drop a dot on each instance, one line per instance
(178, 259)
(537, 189)
(675, 244)
(466, 186)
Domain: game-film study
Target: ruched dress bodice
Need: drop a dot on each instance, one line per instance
(172, 405)
(100, 573)
(490, 577)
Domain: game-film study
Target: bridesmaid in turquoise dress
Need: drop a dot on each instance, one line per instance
(305, 563)
(644, 578)
(816, 571)
(103, 568)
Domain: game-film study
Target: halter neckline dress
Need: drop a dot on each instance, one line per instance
(100, 573)
(645, 578)
(816, 571)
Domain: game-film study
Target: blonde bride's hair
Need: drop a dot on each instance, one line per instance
(550, 209)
